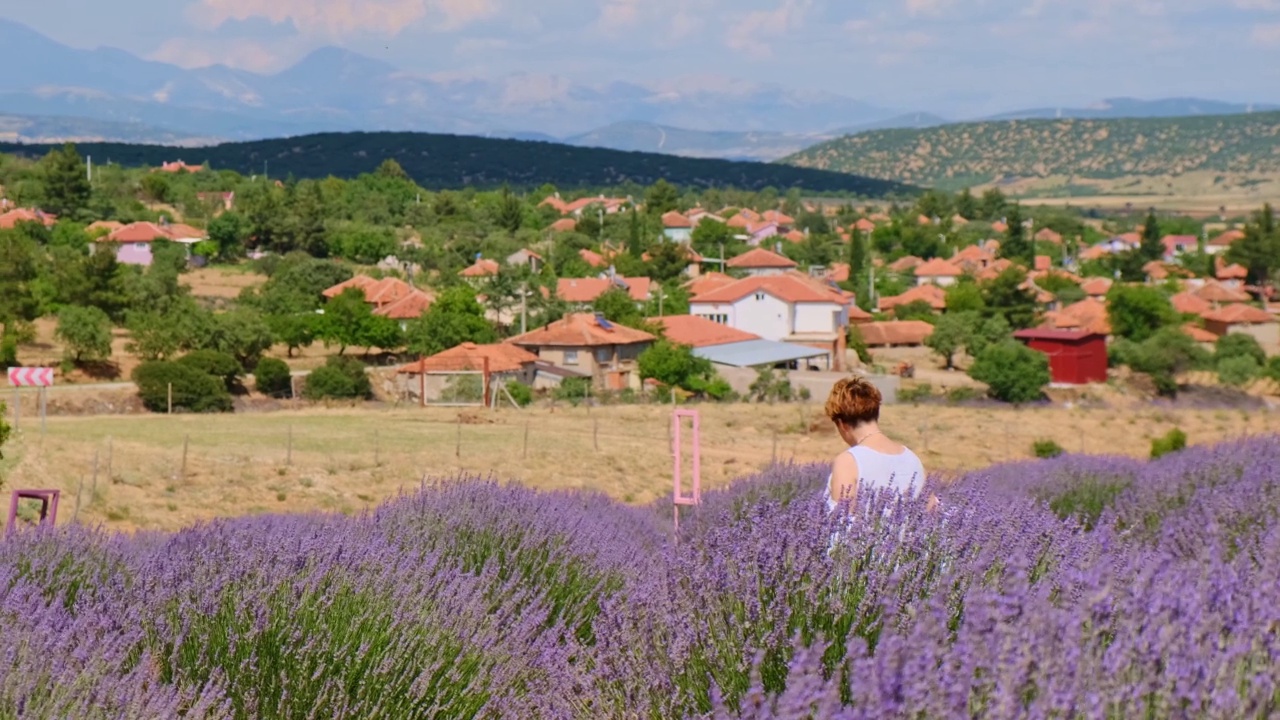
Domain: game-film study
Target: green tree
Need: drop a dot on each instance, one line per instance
(1007, 295)
(66, 182)
(1137, 312)
(950, 333)
(915, 310)
(992, 205)
(243, 333)
(1163, 355)
(965, 296)
(667, 261)
(710, 235)
(339, 377)
(634, 243)
(85, 332)
(272, 378)
(966, 205)
(1016, 246)
(455, 317)
(676, 366)
(617, 306)
(218, 364)
(857, 255)
(1259, 249)
(1236, 345)
(661, 197)
(230, 232)
(1239, 370)
(1012, 371)
(18, 270)
(1152, 245)
(347, 320)
(510, 214)
(189, 388)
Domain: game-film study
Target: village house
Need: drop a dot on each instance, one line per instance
(563, 225)
(1048, 235)
(1097, 287)
(1176, 245)
(895, 333)
(782, 308)
(934, 295)
(600, 204)
(1076, 357)
(408, 308)
(593, 259)
(937, 272)
(178, 166)
(590, 345)
(528, 258)
(761, 262)
(132, 243)
(11, 218)
(1246, 319)
(430, 380)
(480, 269)
(697, 215)
(905, 265)
(676, 227)
(377, 293)
(973, 259)
(1223, 242)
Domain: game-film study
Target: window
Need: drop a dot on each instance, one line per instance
(141, 246)
(759, 296)
(716, 318)
(603, 355)
(570, 357)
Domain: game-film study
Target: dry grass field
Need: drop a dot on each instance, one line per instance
(349, 459)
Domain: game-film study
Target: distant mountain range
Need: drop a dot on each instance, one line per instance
(977, 153)
(119, 97)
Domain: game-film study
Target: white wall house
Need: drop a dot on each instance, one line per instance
(775, 308)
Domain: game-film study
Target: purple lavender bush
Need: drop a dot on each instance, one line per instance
(1077, 587)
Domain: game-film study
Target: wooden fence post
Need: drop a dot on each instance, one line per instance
(288, 453)
(110, 456)
(457, 448)
(186, 440)
(595, 434)
(94, 488)
(525, 453)
(377, 449)
(170, 410)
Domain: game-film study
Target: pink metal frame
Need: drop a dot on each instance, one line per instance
(48, 505)
(677, 496)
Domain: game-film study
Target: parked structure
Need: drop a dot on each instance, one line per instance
(1076, 357)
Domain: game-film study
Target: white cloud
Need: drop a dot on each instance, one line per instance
(1267, 35)
(338, 17)
(240, 54)
(755, 33)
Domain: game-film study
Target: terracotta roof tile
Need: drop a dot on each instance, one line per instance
(593, 259)
(149, 232)
(1198, 333)
(503, 358)
(484, 267)
(1188, 303)
(932, 294)
(938, 267)
(1090, 315)
(795, 236)
(1227, 239)
(709, 281)
(1043, 262)
(784, 287)
(759, 259)
(409, 307)
(1215, 292)
(18, 215)
(697, 331)
(1096, 286)
(1239, 314)
(1049, 235)
(564, 225)
(387, 290)
(674, 219)
(585, 290)
(895, 332)
(865, 225)
(359, 281)
(905, 264)
(580, 330)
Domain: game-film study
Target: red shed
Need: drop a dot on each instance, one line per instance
(1076, 357)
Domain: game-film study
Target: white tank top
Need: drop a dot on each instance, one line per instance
(903, 473)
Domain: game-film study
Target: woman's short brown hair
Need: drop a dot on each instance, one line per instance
(853, 401)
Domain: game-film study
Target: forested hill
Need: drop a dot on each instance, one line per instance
(973, 153)
(453, 161)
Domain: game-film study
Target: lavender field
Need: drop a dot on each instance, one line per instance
(1073, 588)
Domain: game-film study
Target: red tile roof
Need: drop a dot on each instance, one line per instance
(839, 272)
(708, 281)
(18, 215)
(409, 307)
(864, 225)
(697, 331)
(580, 330)
(759, 259)
(503, 358)
(359, 281)
(895, 332)
(1049, 235)
(795, 236)
(1096, 286)
(1214, 292)
(564, 225)
(1227, 239)
(778, 217)
(144, 232)
(674, 220)
(1233, 271)
(938, 267)
(932, 294)
(1087, 314)
(1188, 303)
(377, 292)
(585, 290)
(1043, 262)
(593, 259)
(1198, 333)
(484, 267)
(1239, 314)
(783, 287)
(178, 165)
(905, 264)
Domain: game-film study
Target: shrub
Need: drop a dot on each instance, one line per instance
(964, 393)
(86, 332)
(271, 377)
(1233, 345)
(1172, 442)
(923, 391)
(521, 393)
(220, 365)
(1045, 449)
(1238, 370)
(1013, 372)
(193, 389)
(573, 389)
(339, 377)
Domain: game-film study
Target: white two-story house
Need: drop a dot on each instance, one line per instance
(783, 308)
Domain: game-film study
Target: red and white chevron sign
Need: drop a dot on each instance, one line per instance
(30, 376)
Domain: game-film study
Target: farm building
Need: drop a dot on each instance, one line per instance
(458, 375)
(1076, 357)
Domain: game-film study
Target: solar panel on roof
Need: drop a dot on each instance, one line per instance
(603, 322)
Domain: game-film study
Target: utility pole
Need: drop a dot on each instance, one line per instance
(524, 308)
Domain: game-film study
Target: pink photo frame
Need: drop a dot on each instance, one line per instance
(678, 497)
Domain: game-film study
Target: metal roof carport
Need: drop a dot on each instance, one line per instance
(755, 353)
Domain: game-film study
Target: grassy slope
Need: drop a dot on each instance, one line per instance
(447, 161)
(981, 152)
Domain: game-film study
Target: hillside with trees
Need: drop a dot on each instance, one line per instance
(453, 161)
(976, 153)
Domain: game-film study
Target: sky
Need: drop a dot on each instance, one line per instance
(960, 58)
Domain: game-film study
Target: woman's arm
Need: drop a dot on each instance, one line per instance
(844, 478)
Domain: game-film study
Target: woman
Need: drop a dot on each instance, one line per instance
(873, 461)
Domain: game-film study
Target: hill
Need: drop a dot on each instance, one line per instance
(46, 129)
(447, 161)
(975, 153)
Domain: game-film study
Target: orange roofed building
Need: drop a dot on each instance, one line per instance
(759, 261)
(592, 346)
(428, 379)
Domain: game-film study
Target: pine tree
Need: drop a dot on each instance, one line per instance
(633, 236)
(66, 182)
(1259, 249)
(857, 254)
(1151, 247)
(1016, 247)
